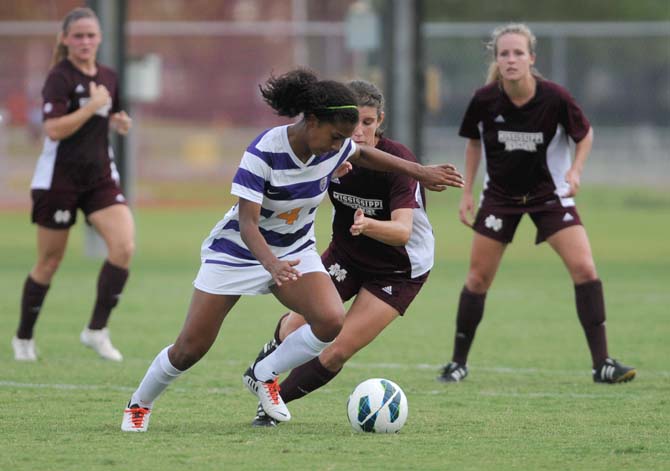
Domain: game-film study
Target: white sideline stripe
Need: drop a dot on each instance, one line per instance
(95, 387)
(585, 371)
(222, 391)
(544, 395)
(388, 366)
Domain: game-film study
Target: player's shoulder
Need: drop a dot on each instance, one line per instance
(396, 148)
(61, 69)
(268, 140)
(490, 91)
(106, 71)
(549, 88)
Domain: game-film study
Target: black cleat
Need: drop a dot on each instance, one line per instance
(268, 348)
(611, 372)
(453, 373)
(262, 419)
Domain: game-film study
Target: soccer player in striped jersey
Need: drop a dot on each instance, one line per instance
(265, 243)
(76, 171)
(521, 123)
(380, 255)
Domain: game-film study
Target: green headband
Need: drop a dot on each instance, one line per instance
(342, 107)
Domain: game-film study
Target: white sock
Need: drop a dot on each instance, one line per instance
(157, 378)
(297, 348)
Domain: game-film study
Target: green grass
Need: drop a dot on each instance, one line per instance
(529, 402)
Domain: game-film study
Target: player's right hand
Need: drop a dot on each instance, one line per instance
(282, 271)
(99, 95)
(466, 209)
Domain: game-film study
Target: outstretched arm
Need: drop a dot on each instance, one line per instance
(432, 177)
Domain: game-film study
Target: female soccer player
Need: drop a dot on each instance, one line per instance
(381, 253)
(265, 243)
(522, 122)
(76, 170)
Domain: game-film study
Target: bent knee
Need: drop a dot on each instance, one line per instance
(583, 272)
(335, 356)
(185, 355)
(121, 253)
(47, 265)
(329, 325)
(478, 282)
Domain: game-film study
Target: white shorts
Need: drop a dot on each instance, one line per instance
(215, 278)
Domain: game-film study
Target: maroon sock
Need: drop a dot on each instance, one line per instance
(591, 312)
(31, 304)
(470, 313)
(110, 284)
(304, 379)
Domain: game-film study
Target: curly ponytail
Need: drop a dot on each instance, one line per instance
(300, 91)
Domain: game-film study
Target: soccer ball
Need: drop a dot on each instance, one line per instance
(377, 405)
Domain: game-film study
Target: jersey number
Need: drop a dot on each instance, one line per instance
(290, 216)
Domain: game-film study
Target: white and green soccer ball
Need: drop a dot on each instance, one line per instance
(377, 405)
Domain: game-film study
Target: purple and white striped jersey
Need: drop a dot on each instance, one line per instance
(289, 192)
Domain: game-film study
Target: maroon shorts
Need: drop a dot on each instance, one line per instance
(56, 209)
(397, 291)
(500, 225)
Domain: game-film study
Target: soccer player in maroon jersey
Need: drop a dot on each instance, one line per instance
(76, 171)
(380, 254)
(521, 123)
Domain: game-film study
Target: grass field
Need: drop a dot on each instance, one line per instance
(529, 402)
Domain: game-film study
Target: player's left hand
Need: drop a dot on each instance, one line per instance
(360, 223)
(121, 122)
(342, 170)
(573, 179)
(439, 177)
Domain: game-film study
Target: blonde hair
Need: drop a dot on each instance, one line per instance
(60, 50)
(493, 74)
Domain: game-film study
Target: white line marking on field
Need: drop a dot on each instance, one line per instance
(387, 366)
(227, 391)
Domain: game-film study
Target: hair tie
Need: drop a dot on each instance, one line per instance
(342, 107)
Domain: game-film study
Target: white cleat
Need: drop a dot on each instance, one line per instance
(135, 419)
(24, 349)
(268, 395)
(99, 341)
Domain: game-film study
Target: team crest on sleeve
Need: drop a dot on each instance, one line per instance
(493, 223)
(337, 272)
(323, 184)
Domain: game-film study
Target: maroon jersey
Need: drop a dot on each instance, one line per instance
(378, 194)
(83, 159)
(526, 148)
